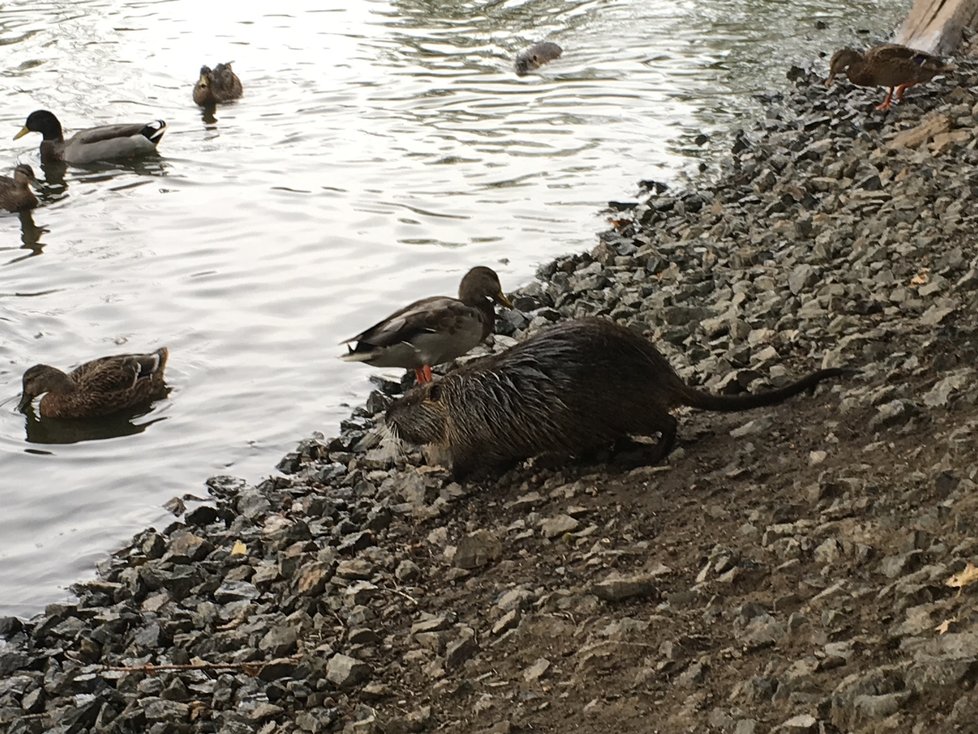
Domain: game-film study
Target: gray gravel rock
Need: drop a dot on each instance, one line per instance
(477, 549)
(618, 588)
(346, 672)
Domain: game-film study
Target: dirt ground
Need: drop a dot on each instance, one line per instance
(767, 591)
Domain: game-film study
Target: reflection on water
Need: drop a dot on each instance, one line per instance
(54, 177)
(53, 431)
(381, 149)
(30, 233)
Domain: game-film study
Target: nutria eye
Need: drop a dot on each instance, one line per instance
(434, 393)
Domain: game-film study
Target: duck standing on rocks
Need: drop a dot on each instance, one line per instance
(890, 65)
(536, 56)
(15, 193)
(432, 330)
(97, 388)
(218, 85)
(103, 143)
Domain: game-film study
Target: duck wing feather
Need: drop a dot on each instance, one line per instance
(118, 372)
(895, 53)
(435, 315)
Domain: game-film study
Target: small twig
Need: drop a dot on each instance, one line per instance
(401, 593)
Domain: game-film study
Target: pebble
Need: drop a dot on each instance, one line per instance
(346, 671)
(618, 588)
(477, 549)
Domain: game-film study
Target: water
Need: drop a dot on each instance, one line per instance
(381, 149)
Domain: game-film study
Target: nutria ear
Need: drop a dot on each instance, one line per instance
(434, 393)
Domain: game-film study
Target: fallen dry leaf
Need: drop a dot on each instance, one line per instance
(920, 278)
(944, 626)
(239, 548)
(965, 578)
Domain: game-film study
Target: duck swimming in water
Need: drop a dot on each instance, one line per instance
(101, 387)
(103, 143)
(218, 85)
(15, 193)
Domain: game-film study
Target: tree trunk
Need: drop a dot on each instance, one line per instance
(936, 26)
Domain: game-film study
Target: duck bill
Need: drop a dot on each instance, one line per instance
(22, 133)
(501, 298)
(25, 403)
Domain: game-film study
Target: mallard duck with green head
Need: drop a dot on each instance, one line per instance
(219, 84)
(15, 193)
(103, 143)
(101, 387)
(433, 330)
(890, 65)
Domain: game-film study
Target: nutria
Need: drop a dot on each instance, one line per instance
(574, 388)
(536, 56)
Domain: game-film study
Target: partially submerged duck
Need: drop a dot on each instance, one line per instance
(536, 56)
(15, 193)
(218, 85)
(103, 143)
(101, 387)
(432, 330)
(890, 65)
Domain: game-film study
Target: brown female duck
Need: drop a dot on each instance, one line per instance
(97, 388)
(890, 65)
(432, 330)
(218, 85)
(15, 193)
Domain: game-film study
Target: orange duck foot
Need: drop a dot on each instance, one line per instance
(886, 103)
(422, 374)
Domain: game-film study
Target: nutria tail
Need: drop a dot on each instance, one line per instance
(707, 401)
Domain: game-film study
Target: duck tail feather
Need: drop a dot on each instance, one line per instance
(154, 130)
(151, 364)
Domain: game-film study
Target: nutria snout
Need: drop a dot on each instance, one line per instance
(574, 388)
(536, 56)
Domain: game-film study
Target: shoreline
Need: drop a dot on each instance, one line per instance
(786, 569)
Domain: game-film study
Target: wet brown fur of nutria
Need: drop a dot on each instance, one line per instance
(575, 388)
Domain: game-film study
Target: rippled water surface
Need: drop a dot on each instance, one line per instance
(381, 149)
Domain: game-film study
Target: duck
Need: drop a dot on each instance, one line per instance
(15, 193)
(97, 388)
(432, 330)
(103, 143)
(890, 65)
(219, 85)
